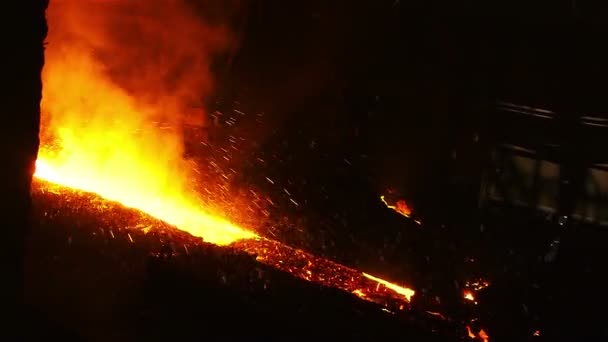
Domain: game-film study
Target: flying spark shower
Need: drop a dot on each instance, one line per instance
(118, 78)
(113, 103)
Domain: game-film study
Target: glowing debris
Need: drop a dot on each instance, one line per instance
(400, 207)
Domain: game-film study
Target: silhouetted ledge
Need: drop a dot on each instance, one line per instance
(23, 31)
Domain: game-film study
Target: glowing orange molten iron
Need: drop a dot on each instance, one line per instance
(217, 230)
(170, 208)
(110, 125)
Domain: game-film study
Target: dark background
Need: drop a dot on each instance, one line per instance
(345, 101)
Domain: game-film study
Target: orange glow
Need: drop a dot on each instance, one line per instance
(404, 291)
(112, 114)
(400, 206)
(470, 332)
(468, 295)
(359, 293)
(326, 272)
(482, 334)
(299, 263)
(168, 206)
(477, 285)
(118, 134)
(484, 337)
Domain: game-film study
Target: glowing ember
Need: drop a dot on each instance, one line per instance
(359, 293)
(468, 295)
(484, 337)
(470, 332)
(326, 272)
(482, 334)
(400, 206)
(536, 333)
(477, 285)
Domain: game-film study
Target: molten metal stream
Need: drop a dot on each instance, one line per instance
(171, 208)
(294, 261)
(120, 80)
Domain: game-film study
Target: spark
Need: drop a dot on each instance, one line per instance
(170, 208)
(482, 334)
(478, 284)
(436, 314)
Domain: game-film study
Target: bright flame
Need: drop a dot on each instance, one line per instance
(477, 285)
(168, 207)
(108, 131)
(400, 206)
(468, 295)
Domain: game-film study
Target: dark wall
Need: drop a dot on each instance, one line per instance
(23, 31)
